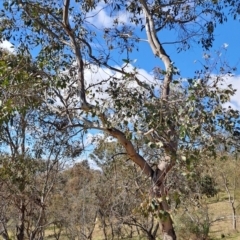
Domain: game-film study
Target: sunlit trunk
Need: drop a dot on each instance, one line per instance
(234, 217)
(168, 232)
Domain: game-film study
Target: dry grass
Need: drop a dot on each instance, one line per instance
(223, 228)
(218, 208)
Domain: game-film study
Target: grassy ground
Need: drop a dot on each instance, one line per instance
(218, 208)
(223, 229)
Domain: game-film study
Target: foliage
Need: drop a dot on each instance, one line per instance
(20, 84)
(32, 150)
(197, 225)
(74, 84)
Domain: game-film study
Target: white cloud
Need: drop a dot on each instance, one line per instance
(94, 138)
(100, 17)
(98, 81)
(6, 45)
(235, 99)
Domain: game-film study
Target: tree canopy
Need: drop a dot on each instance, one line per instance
(78, 75)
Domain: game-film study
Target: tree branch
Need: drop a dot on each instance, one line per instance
(65, 13)
(157, 49)
(77, 51)
(136, 157)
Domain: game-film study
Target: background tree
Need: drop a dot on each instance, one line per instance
(228, 182)
(74, 206)
(28, 174)
(32, 149)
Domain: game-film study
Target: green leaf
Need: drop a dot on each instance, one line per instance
(5, 4)
(126, 60)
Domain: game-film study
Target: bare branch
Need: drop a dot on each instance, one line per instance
(157, 49)
(77, 51)
(65, 13)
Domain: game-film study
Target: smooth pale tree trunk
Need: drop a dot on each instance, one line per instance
(158, 177)
(234, 223)
(231, 199)
(160, 192)
(166, 223)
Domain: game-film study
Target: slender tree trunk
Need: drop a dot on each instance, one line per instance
(20, 226)
(102, 217)
(57, 231)
(159, 192)
(138, 232)
(231, 199)
(151, 237)
(234, 216)
(167, 226)
(3, 231)
(112, 231)
(152, 230)
(155, 230)
(131, 232)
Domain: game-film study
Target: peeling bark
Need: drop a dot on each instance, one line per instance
(135, 157)
(157, 177)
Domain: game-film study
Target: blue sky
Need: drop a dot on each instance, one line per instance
(227, 33)
(186, 61)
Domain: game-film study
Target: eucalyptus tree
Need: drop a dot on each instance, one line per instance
(32, 150)
(121, 191)
(33, 153)
(227, 176)
(93, 91)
